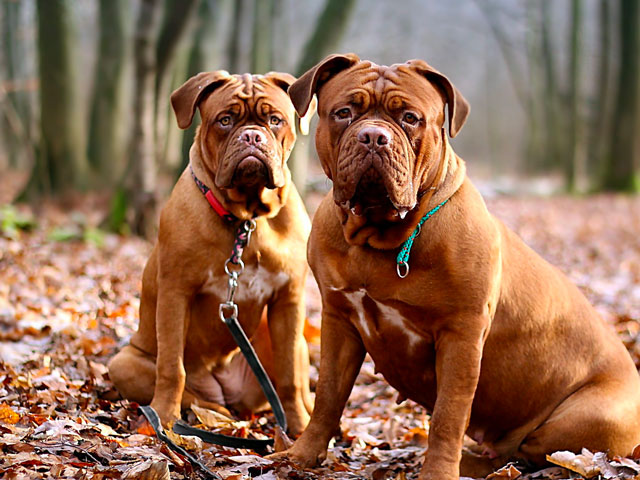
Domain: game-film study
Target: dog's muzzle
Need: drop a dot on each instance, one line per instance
(251, 161)
(373, 173)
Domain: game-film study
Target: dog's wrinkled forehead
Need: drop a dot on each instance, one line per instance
(248, 95)
(389, 87)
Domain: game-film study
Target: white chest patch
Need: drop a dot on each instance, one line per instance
(355, 299)
(388, 318)
(256, 284)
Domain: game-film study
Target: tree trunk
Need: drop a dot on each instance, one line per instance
(106, 149)
(500, 35)
(262, 50)
(326, 36)
(621, 165)
(61, 164)
(233, 48)
(553, 118)
(572, 161)
(535, 134)
(177, 27)
(142, 192)
(600, 113)
(15, 104)
(207, 25)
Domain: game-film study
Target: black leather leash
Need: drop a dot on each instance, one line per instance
(228, 312)
(154, 420)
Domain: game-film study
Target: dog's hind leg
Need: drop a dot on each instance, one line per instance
(134, 374)
(603, 416)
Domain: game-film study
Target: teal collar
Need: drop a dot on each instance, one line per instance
(402, 261)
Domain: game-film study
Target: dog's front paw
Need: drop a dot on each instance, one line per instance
(167, 413)
(300, 455)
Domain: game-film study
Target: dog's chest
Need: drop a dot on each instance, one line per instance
(255, 284)
(401, 352)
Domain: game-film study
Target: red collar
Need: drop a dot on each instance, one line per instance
(213, 201)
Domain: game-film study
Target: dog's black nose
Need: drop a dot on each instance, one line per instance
(374, 137)
(253, 137)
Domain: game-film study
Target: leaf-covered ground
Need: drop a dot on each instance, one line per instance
(69, 296)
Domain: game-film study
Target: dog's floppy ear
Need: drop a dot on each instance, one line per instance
(458, 105)
(280, 79)
(186, 98)
(284, 81)
(302, 91)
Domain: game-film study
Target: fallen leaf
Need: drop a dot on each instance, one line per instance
(509, 472)
(148, 470)
(211, 418)
(8, 415)
(582, 463)
(146, 429)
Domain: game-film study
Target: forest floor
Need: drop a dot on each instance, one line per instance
(69, 297)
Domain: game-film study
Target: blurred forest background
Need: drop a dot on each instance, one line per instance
(84, 87)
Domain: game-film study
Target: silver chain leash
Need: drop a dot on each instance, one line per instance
(232, 284)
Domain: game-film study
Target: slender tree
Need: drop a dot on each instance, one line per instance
(327, 33)
(326, 36)
(600, 113)
(105, 146)
(262, 49)
(622, 160)
(553, 118)
(14, 99)
(233, 47)
(142, 192)
(198, 60)
(61, 164)
(574, 121)
(177, 29)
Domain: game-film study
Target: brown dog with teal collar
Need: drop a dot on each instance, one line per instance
(491, 339)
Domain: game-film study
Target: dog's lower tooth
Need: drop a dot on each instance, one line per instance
(402, 213)
(353, 210)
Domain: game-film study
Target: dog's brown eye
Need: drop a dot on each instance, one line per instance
(274, 120)
(343, 113)
(410, 118)
(225, 121)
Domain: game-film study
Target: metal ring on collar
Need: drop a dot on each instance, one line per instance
(399, 268)
(240, 264)
(250, 225)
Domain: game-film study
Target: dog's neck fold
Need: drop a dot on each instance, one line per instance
(448, 175)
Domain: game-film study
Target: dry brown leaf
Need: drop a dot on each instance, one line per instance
(509, 472)
(148, 470)
(187, 441)
(582, 463)
(211, 418)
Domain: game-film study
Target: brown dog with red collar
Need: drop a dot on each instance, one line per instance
(485, 334)
(182, 352)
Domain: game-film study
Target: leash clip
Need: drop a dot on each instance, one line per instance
(226, 307)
